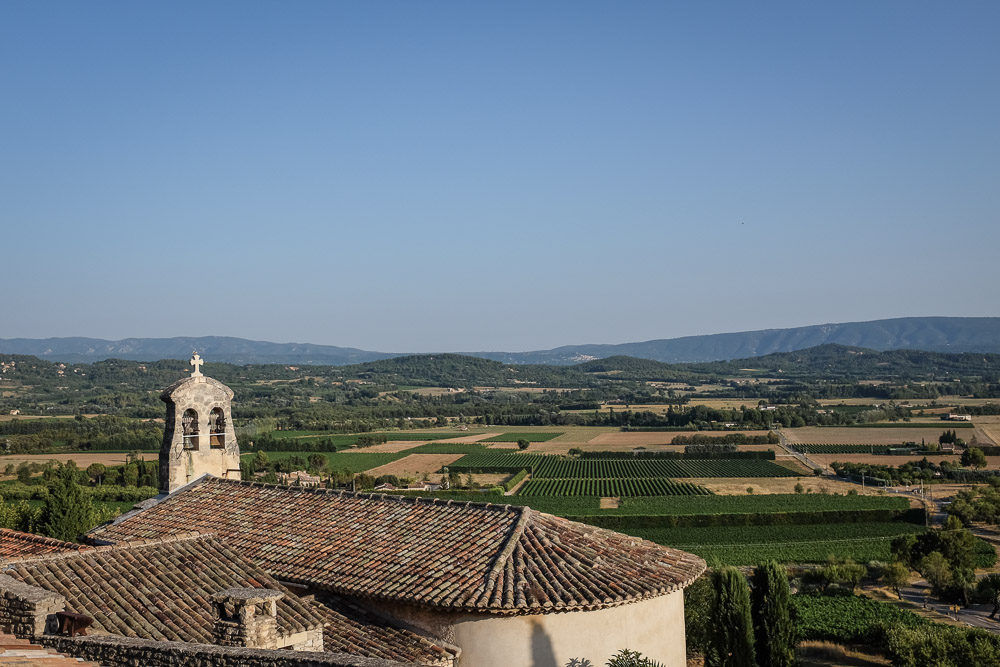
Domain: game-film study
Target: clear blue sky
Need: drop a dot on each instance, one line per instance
(426, 176)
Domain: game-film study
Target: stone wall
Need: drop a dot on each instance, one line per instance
(114, 651)
(24, 609)
(310, 640)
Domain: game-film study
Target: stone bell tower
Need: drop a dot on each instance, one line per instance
(198, 438)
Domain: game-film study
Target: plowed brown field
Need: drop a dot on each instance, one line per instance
(415, 464)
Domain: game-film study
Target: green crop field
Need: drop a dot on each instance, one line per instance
(530, 437)
(449, 448)
(848, 618)
(351, 461)
(361, 461)
(750, 545)
(346, 440)
(496, 462)
(755, 504)
(282, 435)
(553, 467)
(688, 506)
(610, 487)
(417, 435)
(556, 467)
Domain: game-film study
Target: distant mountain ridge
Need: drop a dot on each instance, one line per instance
(932, 334)
(216, 348)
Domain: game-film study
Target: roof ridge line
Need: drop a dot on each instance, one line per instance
(32, 537)
(86, 550)
(508, 548)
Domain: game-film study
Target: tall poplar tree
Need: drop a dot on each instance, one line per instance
(773, 628)
(732, 634)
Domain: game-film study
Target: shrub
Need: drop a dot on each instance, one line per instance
(68, 511)
(699, 608)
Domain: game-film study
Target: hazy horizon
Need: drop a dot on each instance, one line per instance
(448, 177)
(446, 351)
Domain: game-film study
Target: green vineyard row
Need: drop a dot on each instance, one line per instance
(610, 487)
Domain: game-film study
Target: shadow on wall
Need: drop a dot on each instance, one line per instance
(542, 654)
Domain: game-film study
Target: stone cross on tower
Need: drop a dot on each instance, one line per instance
(197, 362)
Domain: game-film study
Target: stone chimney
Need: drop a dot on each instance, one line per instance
(246, 617)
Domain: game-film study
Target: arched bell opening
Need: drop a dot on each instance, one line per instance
(189, 424)
(217, 426)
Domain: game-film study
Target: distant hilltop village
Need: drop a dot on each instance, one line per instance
(221, 572)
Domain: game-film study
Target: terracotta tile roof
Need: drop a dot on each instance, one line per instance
(16, 652)
(15, 544)
(161, 589)
(352, 629)
(157, 589)
(443, 554)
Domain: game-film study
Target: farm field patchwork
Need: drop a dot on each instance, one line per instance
(626, 440)
(82, 459)
(992, 462)
(414, 465)
(604, 469)
(386, 447)
(756, 504)
(610, 487)
(515, 436)
(448, 448)
(989, 427)
(848, 435)
(681, 506)
(348, 439)
(404, 436)
(819, 486)
(350, 461)
(558, 468)
(582, 437)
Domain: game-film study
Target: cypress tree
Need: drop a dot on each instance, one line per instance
(732, 635)
(68, 511)
(773, 627)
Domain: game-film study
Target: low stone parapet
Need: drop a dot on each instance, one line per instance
(24, 609)
(115, 651)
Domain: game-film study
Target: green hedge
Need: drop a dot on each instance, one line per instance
(515, 480)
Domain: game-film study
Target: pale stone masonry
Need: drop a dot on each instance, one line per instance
(249, 617)
(198, 437)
